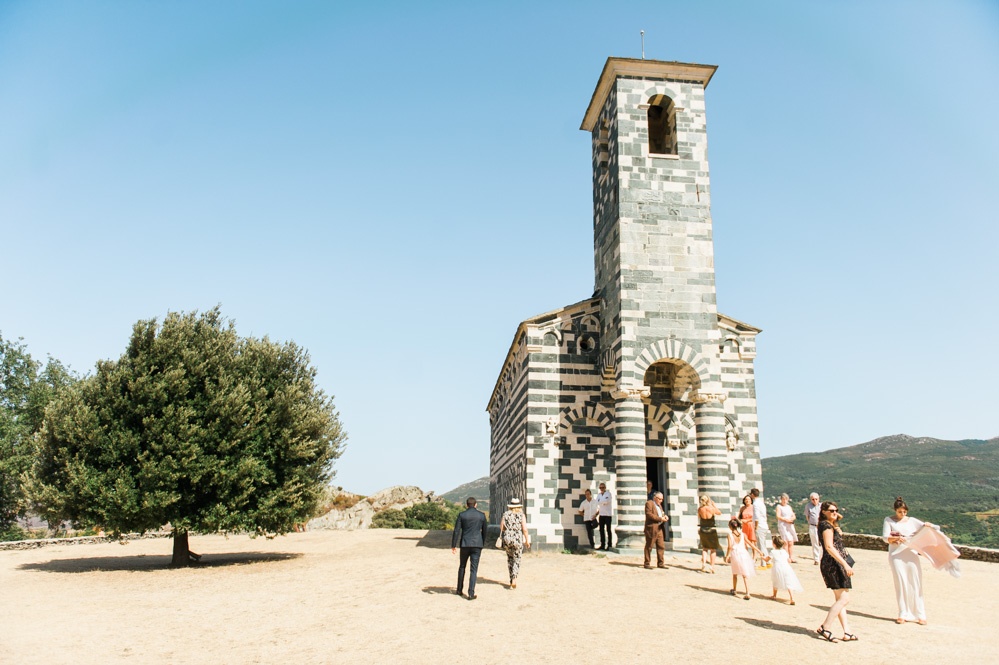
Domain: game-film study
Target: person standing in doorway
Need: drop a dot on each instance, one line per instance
(604, 501)
(589, 510)
(650, 493)
(470, 534)
(760, 526)
(655, 521)
(812, 515)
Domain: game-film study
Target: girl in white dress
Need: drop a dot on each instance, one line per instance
(781, 575)
(906, 571)
(739, 558)
(785, 525)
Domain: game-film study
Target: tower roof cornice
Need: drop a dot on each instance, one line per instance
(634, 68)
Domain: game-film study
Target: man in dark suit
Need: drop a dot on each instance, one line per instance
(470, 533)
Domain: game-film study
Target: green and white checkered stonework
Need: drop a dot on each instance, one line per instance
(645, 379)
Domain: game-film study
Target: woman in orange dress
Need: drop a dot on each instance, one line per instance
(746, 517)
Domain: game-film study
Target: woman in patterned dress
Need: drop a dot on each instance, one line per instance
(514, 536)
(836, 572)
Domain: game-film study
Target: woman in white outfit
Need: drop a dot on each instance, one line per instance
(785, 526)
(905, 568)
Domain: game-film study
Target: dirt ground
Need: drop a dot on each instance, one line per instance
(387, 596)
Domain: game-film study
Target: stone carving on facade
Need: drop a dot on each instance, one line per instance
(634, 393)
(551, 425)
(704, 398)
(731, 440)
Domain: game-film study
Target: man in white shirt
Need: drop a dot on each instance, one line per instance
(812, 513)
(763, 537)
(604, 500)
(589, 510)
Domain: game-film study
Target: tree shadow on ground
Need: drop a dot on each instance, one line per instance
(849, 610)
(782, 627)
(143, 562)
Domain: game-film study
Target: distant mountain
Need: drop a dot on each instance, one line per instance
(950, 483)
(477, 488)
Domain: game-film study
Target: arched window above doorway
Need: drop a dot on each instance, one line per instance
(662, 125)
(671, 380)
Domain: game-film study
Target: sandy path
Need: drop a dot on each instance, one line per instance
(377, 596)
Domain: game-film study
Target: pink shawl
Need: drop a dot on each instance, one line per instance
(937, 548)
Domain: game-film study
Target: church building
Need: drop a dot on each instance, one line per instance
(645, 379)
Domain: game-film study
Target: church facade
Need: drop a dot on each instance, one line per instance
(645, 380)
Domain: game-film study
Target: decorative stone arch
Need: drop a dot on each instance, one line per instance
(671, 349)
(593, 413)
(556, 335)
(589, 323)
(683, 425)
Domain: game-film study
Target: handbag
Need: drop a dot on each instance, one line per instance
(849, 560)
(499, 542)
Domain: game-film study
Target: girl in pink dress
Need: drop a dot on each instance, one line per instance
(781, 575)
(739, 558)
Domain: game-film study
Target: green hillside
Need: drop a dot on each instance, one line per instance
(477, 488)
(950, 483)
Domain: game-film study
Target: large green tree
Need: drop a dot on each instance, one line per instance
(193, 426)
(25, 389)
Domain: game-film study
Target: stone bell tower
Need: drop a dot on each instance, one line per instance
(644, 380)
(654, 266)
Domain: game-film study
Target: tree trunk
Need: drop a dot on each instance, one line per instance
(181, 553)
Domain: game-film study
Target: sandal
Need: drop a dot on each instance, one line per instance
(746, 597)
(825, 634)
(849, 637)
(732, 592)
(900, 621)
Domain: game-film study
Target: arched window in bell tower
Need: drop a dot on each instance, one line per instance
(662, 126)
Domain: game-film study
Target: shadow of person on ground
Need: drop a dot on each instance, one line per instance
(720, 592)
(782, 627)
(629, 564)
(144, 562)
(435, 590)
(851, 612)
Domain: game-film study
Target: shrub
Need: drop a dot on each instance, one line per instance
(431, 515)
(389, 519)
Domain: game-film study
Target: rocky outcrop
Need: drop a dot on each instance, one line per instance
(358, 512)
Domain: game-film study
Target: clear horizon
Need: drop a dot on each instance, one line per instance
(396, 187)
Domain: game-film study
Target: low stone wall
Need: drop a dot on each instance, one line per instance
(863, 541)
(35, 543)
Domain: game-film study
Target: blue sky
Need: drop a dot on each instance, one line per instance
(395, 186)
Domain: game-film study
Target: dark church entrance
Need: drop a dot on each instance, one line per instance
(655, 472)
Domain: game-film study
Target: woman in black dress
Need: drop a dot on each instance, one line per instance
(836, 572)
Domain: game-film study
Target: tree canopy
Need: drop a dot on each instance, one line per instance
(25, 390)
(193, 426)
